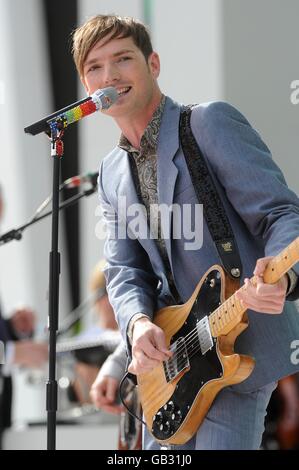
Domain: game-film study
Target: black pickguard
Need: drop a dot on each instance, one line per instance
(203, 368)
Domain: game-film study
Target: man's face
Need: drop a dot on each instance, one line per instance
(119, 63)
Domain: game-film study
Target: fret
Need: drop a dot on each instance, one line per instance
(226, 308)
(217, 314)
(284, 259)
(231, 306)
(220, 316)
(229, 315)
(212, 323)
(230, 319)
(282, 263)
(240, 308)
(276, 268)
(217, 326)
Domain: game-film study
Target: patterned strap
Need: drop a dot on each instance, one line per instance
(207, 195)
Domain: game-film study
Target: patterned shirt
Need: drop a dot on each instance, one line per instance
(144, 168)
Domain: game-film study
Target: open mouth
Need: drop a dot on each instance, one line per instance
(123, 91)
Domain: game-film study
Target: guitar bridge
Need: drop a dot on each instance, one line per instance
(178, 362)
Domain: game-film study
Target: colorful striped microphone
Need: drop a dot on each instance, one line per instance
(100, 99)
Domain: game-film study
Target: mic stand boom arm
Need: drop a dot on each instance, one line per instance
(17, 233)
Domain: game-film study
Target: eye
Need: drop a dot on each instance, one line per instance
(93, 68)
(123, 59)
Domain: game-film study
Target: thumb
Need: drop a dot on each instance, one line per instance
(131, 367)
(160, 342)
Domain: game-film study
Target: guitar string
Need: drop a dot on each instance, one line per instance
(188, 339)
(193, 334)
(160, 390)
(216, 312)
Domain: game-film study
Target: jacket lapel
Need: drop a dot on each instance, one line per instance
(167, 172)
(126, 189)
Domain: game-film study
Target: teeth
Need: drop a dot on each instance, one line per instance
(122, 90)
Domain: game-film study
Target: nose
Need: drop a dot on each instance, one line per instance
(111, 74)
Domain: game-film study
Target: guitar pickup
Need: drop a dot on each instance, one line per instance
(204, 335)
(178, 362)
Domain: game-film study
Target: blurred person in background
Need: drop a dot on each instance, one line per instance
(90, 360)
(104, 391)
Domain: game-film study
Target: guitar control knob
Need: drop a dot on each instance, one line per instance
(176, 416)
(158, 418)
(169, 407)
(166, 427)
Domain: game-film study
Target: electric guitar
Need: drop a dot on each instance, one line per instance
(176, 395)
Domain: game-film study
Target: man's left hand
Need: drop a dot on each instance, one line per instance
(264, 298)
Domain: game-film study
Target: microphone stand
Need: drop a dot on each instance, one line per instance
(54, 272)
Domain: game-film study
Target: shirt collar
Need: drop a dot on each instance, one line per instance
(150, 135)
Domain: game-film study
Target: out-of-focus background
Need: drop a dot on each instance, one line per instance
(242, 52)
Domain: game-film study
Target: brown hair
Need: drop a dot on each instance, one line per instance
(101, 26)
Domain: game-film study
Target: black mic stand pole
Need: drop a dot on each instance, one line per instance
(54, 272)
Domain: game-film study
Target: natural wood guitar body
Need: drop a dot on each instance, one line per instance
(176, 395)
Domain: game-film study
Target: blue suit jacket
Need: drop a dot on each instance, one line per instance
(263, 212)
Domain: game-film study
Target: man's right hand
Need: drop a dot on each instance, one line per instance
(30, 354)
(148, 347)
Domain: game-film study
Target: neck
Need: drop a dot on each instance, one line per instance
(133, 126)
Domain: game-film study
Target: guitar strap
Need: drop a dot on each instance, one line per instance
(207, 195)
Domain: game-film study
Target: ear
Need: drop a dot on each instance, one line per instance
(154, 64)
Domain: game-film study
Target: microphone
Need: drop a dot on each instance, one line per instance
(75, 181)
(100, 99)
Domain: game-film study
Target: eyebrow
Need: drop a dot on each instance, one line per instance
(116, 54)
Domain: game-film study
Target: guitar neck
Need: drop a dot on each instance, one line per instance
(230, 313)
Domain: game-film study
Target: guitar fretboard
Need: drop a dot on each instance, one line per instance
(230, 313)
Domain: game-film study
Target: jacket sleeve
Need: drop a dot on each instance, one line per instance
(131, 282)
(253, 183)
(115, 364)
